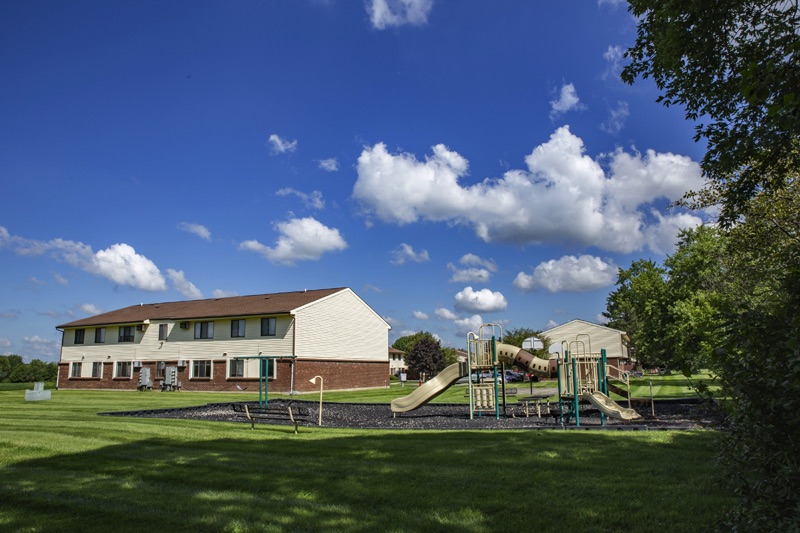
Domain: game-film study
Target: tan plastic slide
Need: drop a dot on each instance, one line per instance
(609, 407)
(427, 391)
(510, 355)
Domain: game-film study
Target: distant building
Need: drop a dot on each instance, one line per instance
(209, 345)
(580, 335)
(397, 362)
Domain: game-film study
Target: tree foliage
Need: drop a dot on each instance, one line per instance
(14, 370)
(735, 67)
(517, 336)
(426, 356)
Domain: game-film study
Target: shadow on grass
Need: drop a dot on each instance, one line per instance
(271, 480)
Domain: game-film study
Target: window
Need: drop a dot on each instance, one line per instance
(160, 368)
(97, 369)
(268, 327)
(124, 368)
(236, 368)
(79, 334)
(75, 370)
(203, 330)
(237, 328)
(126, 334)
(269, 368)
(163, 329)
(99, 335)
(201, 369)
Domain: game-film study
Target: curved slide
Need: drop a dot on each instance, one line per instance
(609, 407)
(506, 353)
(427, 391)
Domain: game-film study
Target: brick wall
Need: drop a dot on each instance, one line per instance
(337, 375)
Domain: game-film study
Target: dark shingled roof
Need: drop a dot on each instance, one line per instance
(260, 304)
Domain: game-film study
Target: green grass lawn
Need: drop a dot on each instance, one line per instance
(63, 468)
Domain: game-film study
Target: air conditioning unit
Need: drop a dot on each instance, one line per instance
(184, 325)
(137, 364)
(183, 362)
(140, 327)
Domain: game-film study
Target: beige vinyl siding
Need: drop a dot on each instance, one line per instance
(599, 337)
(341, 326)
(181, 344)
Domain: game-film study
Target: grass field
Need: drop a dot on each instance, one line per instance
(63, 468)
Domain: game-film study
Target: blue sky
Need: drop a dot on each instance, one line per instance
(454, 163)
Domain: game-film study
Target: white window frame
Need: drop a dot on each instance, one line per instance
(195, 364)
(163, 332)
(238, 328)
(99, 333)
(198, 330)
(121, 337)
(75, 365)
(161, 369)
(239, 364)
(97, 365)
(272, 326)
(118, 365)
(79, 333)
(272, 368)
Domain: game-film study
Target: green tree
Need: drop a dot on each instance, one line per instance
(7, 365)
(517, 336)
(426, 356)
(735, 66)
(639, 307)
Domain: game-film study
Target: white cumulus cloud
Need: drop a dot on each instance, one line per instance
(469, 324)
(563, 195)
(444, 313)
(569, 274)
(313, 200)
(197, 229)
(387, 13)
(472, 274)
(183, 285)
(280, 145)
(220, 293)
(330, 165)
(301, 239)
(419, 315)
(484, 301)
(616, 118)
(405, 253)
(90, 309)
(567, 101)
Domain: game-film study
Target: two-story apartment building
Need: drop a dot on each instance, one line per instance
(213, 344)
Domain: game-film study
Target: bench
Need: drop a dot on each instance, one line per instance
(293, 414)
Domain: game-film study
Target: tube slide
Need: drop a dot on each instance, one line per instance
(428, 391)
(609, 407)
(511, 355)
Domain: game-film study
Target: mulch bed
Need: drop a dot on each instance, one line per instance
(669, 414)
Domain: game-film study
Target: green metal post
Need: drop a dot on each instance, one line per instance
(601, 377)
(494, 371)
(560, 393)
(575, 391)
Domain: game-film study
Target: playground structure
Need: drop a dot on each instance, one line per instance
(583, 375)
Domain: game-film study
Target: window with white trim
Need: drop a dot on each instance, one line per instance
(268, 326)
(203, 330)
(269, 368)
(79, 335)
(237, 328)
(125, 334)
(99, 335)
(236, 368)
(97, 369)
(123, 369)
(161, 367)
(163, 330)
(201, 369)
(75, 370)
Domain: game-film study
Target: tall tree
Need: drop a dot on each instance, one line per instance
(735, 66)
(426, 356)
(639, 307)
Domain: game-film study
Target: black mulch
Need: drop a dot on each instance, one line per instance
(669, 414)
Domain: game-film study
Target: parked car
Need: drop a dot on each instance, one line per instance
(513, 376)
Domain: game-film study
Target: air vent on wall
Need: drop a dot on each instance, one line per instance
(137, 364)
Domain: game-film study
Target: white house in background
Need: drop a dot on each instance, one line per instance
(582, 336)
(210, 344)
